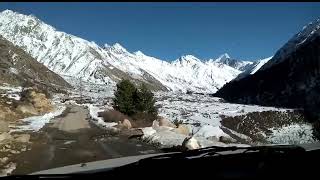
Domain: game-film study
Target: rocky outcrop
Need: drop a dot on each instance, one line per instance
(19, 68)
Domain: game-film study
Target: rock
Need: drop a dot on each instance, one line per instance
(213, 138)
(190, 143)
(4, 160)
(23, 149)
(225, 139)
(133, 133)
(166, 122)
(14, 152)
(5, 136)
(182, 129)
(27, 109)
(23, 138)
(126, 124)
(4, 126)
(155, 124)
(40, 102)
(148, 131)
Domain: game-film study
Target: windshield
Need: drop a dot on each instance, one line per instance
(83, 82)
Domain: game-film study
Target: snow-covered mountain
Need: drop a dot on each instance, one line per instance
(290, 79)
(237, 64)
(68, 55)
(18, 68)
(253, 68)
(307, 34)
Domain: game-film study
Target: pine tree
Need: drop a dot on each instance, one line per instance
(123, 100)
(144, 100)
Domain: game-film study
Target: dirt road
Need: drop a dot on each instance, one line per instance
(72, 139)
(75, 119)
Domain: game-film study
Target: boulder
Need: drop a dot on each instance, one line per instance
(166, 122)
(190, 143)
(40, 102)
(27, 109)
(126, 124)
(6, 113)
(182, 129)
(5, 136)
(148, 131)
(14, 152)
(155, 124)
(3, 160)
(23, 138)
(4, 126)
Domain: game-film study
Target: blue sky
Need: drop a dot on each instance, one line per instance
(245, 31)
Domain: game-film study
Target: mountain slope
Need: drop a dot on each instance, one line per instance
(253, 68)
(291, 78)
(68, 55)
(19, 68)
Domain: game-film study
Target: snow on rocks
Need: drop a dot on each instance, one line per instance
(35, 123)
(203, 112)
(211, 131)
(292, 134)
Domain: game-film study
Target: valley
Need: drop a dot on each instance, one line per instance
(55, 87)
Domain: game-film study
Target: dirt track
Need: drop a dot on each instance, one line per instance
(76, 119)
(72, 139)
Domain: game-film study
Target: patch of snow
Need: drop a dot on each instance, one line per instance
(257, 65)
(35, 123)
(210, 131)
(14, 96)
(13, 70)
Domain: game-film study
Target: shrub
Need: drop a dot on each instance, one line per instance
(177, 122)
(142, 119)
(112, 116)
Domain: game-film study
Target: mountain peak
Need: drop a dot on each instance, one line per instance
(139, 53)
(7, 11)
(223, 57)
(118, 47)
(189, 59)
(115, 47)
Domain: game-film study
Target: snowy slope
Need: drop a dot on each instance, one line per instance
(308, 33)
(258, 64)
(70, 56)
(253, 68)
